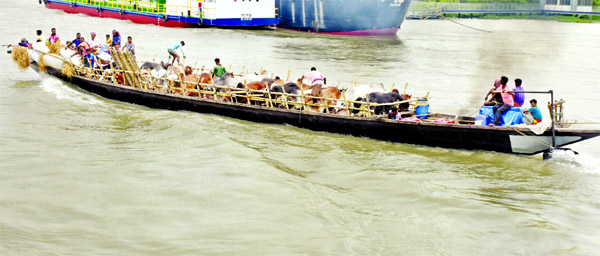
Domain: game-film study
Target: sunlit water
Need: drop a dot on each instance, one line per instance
(84, 175)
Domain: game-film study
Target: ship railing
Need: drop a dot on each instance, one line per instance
(146, 7)
(266, 97)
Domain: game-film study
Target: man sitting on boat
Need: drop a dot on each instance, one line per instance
(534, 115)
(23, 43)
(108, 40)
(116, 38)
(40, 38)
(393, 114)
(507, 101)
(53, 37)
(519, 96)
(317, 80)
(173, 52)
(77, 39)
(129, 46)
(496, 97)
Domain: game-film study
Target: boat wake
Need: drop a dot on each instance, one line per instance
(63, 92)
(582, 163)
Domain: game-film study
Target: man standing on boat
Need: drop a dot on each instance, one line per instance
(218, 70)
(507, 101)
(173, 52)
(317, 80)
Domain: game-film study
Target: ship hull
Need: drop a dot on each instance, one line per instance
(343, 17)
(154, 18)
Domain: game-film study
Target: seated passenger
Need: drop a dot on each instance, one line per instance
(23, 43)
(496, 97)
(536, 114)
(393, 114)
(507, 101)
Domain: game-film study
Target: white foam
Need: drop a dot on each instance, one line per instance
(64, 92)
(582, 162)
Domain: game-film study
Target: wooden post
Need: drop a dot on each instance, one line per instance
(270, 102)
(405, 86)
(288, 76)
(326, 104)
(346, 102)
(303, 99)
(247, 92)
(368, 107)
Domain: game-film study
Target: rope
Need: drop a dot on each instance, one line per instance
(456, 22)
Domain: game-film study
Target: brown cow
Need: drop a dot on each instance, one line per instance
(331, 93)
(255, 86)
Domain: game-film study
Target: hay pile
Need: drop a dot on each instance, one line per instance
(21, 57)
(55, 47)
(41, 64)
(68, 70)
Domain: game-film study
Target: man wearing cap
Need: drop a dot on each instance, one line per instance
(173, 52)
(93, 43)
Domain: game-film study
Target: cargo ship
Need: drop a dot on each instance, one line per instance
(340, 17)
(343, 17)
(176, 13)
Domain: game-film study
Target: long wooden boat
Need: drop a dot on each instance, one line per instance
(514, 140)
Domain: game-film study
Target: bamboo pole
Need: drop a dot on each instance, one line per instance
(405, 86)
(346, 102)
(393, 85)
(288, 75)
(154, 59)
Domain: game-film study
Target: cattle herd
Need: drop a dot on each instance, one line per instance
(331, 99)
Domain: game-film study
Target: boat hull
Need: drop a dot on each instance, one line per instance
(343, 17)
(419, 133)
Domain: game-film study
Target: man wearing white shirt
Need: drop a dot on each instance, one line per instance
(93, 41)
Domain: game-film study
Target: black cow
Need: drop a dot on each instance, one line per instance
(153, 65)
(290, 88)
(389, 97)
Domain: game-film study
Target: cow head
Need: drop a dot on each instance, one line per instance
(188, 70)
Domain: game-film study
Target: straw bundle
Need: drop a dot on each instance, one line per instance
(21, 57)
(68, 70)
(41, 64)
(55, 47)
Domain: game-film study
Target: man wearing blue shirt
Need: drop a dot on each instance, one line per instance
(77, 40)
(173, 52)
(535, 112)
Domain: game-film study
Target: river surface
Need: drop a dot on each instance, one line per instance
(83, 175)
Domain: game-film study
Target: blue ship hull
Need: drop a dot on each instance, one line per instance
(349, 17)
